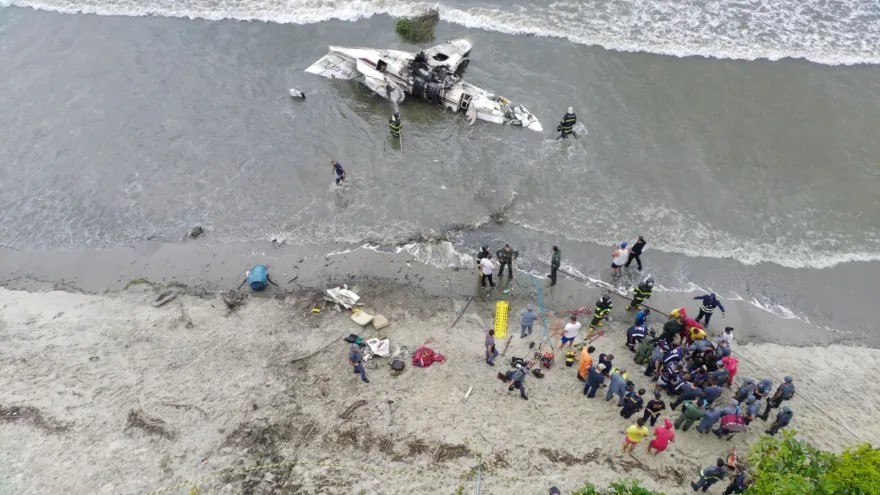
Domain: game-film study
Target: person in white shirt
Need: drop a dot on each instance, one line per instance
(487, 268)
(571, 332)
(619, 257)
(727, 337)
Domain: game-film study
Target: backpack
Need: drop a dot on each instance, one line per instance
(734, 423)
(397, 364)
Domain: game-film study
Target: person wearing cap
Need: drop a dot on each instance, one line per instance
(641, 293)
(712, 415)
(595, 379)
(526, 319)
(616, 386)
(635, 434)
(619, 257)
(517, 379)
(636, 252)
(395, 125)
(710, 475)
(505, 256)
(753, 407)
(764, 387)
(782, 420)
(745, 390)
(654, 407)
(691, 411)
(356, 359)
(710, 302)
(784, 392)
(663, 436)
(566, 125)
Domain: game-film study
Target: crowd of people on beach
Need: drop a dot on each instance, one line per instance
(681, 364)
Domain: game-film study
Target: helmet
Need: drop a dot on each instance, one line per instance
(570, 109)
(623, 244)
(605, 298)
(650, 281)
(485, 247)
(397, 114)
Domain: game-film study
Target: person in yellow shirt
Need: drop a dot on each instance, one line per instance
(635, 434)
(586, 362)
(697, 333)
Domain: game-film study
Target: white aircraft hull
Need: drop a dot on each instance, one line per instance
(432, 74)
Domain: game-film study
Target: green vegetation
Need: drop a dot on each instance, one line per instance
(788, 466)
(630, 487)
(418, 29)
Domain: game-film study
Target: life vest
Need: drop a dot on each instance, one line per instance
(258, 277)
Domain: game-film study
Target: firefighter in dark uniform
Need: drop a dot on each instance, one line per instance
(603, 307)
(566, 125)
(395, 125)
(640, 293)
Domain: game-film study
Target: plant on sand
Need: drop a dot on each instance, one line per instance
(630, 487)
(420, 28)
(789, 466)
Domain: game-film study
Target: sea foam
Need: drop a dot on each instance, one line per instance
(822, 31)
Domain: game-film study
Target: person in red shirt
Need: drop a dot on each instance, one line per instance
(663, 435)
(731, 363)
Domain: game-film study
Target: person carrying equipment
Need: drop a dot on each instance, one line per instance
(257, 277)
(640, 293)
(395, 125)
(505, 256)
(340, 172)
(566, 125)
(603, 307)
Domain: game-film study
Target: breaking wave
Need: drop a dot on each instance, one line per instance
(832, 32)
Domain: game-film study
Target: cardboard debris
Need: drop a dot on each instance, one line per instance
(361, 317)
(380, 322)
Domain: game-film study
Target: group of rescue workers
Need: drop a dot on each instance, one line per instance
(682, 362)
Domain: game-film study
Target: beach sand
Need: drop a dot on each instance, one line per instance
(116, 396)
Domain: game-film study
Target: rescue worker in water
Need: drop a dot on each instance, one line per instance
(566, 125)
(395, 125)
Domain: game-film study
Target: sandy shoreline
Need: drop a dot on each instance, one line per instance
(201, 267)
(230, 396)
